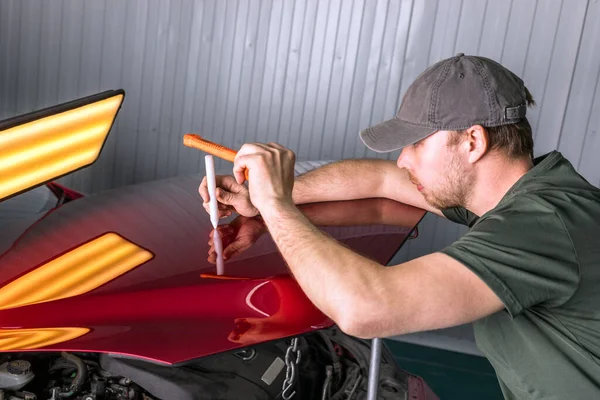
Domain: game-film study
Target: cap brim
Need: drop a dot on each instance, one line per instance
(393, 135)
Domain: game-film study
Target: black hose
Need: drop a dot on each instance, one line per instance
(82, 373)
(326, 395)
(335, 359)
(64, 364)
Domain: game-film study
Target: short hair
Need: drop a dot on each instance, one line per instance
(515, 140)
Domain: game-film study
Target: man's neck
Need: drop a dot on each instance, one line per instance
(496, 174)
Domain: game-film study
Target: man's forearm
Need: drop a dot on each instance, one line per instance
(333, 277)
(342, 180)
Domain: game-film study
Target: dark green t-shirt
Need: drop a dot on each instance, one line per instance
(539, 251)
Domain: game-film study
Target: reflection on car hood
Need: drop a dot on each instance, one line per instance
(120, 272)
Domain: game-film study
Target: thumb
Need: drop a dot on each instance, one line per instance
(225, 197)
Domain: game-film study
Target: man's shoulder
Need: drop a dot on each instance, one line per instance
(553, 172)
(553, 189)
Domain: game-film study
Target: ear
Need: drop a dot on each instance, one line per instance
(478, 141)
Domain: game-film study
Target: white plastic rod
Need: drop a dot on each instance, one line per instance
(212, 187)
(209, 162)
(219, 250)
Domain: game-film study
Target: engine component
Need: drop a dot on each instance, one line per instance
(393, 383)
(183, 383)
(17, 396)
(15, 374)
(329, 365)
(80, 378)
(99, 388)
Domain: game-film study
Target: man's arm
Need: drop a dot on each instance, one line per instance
(340, 180)
(378, 211)
(364, 298)
(358, 179)
(367, 299)
(241, 233)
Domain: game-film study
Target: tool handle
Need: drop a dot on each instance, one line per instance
(197, 142)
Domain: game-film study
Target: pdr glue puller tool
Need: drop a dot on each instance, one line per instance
(197, 142)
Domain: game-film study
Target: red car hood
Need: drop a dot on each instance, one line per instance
(160, 309)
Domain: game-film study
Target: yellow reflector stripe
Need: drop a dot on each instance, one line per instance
(58, 148)
(36, 173)
(79, 271)
(61, 124)
(53, 146)
(22, 339)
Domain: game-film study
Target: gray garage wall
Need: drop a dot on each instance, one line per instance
(308, 74)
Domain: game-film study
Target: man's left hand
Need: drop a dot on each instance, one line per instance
(270, 173)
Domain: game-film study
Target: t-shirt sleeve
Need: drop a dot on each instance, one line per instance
(524, 254)
(460, 215)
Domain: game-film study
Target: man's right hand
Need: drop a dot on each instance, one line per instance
(231, 196)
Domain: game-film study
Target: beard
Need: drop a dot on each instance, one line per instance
(454, 187)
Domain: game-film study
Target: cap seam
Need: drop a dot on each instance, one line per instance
(487, 88)
(431, 117)
(416, 79)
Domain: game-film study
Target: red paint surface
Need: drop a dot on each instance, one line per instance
(164, 310)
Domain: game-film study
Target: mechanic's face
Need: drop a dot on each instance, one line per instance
(439, 172)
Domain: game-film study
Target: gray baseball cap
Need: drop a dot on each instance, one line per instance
(451, 95)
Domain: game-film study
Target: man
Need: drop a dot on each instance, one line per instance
(527, 272)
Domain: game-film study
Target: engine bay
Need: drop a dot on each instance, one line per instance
(326, 365)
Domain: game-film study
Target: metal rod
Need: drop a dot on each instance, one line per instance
(374, 369)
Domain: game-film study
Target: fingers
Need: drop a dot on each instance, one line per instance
(235, 248)
(227, 193)
(267, 151)
(239, 165)
(231, 243)
(239, 174)
(271, 170)
(230, 251)
(224, 231)
(225, 197)
(203, 190)
(226, 182)
(224, 211)
(229, 183)
(277, 146)
(212, 257)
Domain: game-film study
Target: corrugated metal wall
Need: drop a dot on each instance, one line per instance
(308, 74)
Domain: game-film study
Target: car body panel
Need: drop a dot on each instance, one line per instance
(169, 307)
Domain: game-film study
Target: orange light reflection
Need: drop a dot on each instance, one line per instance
(23, 339)
(76, 272)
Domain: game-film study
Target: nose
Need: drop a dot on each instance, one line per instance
(404, 158)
